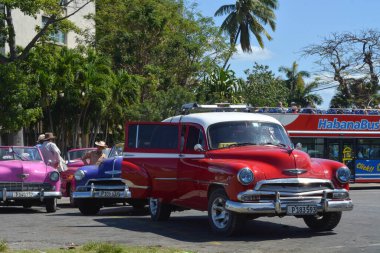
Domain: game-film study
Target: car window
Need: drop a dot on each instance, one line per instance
(194, 136)
(20, 153)
(153, 136)
(226, 134)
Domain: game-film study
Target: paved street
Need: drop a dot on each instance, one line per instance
(34, 228)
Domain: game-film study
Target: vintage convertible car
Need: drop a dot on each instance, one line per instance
(73, 161)
(236, 166)
(25, 180)
(101, 185)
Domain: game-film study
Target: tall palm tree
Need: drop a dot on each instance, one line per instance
(245, 17)
(295, 80)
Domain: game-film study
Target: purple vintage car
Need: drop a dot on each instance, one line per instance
(25, 180)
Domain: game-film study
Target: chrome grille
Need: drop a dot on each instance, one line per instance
(20, 186)
(295, 187)
(105, 182)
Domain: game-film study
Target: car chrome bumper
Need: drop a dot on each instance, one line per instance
(279, 205)
(101, 192)
(30, 195)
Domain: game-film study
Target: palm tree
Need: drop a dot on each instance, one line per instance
(295, 80)
(245, 17)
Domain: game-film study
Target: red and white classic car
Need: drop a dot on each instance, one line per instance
(234, 165)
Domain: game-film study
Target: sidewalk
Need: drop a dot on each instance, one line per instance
(362, 186)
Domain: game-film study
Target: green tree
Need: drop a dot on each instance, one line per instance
(295, 81)
(220, 86)
(246, 17)
(262, 88)
(19, 100)
(161, 41)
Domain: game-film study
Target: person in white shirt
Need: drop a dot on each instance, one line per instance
(50, 151)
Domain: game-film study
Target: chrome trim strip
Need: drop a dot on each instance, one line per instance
(280, 207)
(132, 185)
(92, 194)
(7, 195)
(149, 155)
(162, 155)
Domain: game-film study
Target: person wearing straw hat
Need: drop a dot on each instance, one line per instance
(40, 140)
(50, 151)
(95, 157)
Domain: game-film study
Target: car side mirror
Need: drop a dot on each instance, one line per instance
(199, 148)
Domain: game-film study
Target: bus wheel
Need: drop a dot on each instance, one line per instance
(325, 222)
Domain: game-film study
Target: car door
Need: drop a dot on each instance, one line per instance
(152, 151)
(192, 168)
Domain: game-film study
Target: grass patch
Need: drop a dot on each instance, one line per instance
(96, 247)
(3, 246)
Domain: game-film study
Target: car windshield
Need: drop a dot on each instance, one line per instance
(77, 154)
(241, 133)
(116, 150)
(20, 153)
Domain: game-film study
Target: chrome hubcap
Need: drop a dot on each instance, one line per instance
(220, 216)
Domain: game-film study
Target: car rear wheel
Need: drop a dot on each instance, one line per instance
(88, 207)
(159, 211)
(51, 205)
(221, 220)
(325, 222)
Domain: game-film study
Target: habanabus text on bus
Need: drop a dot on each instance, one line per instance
(336, 124)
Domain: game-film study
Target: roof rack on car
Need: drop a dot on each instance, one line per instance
(218, 107)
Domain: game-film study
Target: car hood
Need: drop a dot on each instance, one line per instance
(273, 162)
(109, 168)
(23, 171)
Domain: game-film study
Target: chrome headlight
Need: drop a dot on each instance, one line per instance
(54, 176)
(343, 175)
(79, 175)
(245, 176)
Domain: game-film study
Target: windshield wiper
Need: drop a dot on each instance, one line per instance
(275, 144)
(241, 144)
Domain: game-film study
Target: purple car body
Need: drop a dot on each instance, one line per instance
(25, 179)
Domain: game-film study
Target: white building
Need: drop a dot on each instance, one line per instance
(25, 26)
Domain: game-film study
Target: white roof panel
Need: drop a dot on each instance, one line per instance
(208, 118)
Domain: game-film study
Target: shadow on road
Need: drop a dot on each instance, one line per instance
(21, 210)
(196, 229)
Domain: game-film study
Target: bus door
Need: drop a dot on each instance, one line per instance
(341, 150)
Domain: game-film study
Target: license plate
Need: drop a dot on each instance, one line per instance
(22, 194)
(109, 194)
(301, 209)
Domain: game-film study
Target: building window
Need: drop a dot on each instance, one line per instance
(58, 37)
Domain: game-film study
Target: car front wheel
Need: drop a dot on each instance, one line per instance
(51, 205)
(88, 207)
(325, 222)
(221, 220)
(159, 211)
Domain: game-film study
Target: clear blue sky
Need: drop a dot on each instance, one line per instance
(301, 23)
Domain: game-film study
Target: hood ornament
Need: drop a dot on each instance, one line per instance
(295, 171)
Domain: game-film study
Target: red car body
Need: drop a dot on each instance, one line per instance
(73, 163)
(233, 165)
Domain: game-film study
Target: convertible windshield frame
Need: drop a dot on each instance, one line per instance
(243, 133)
